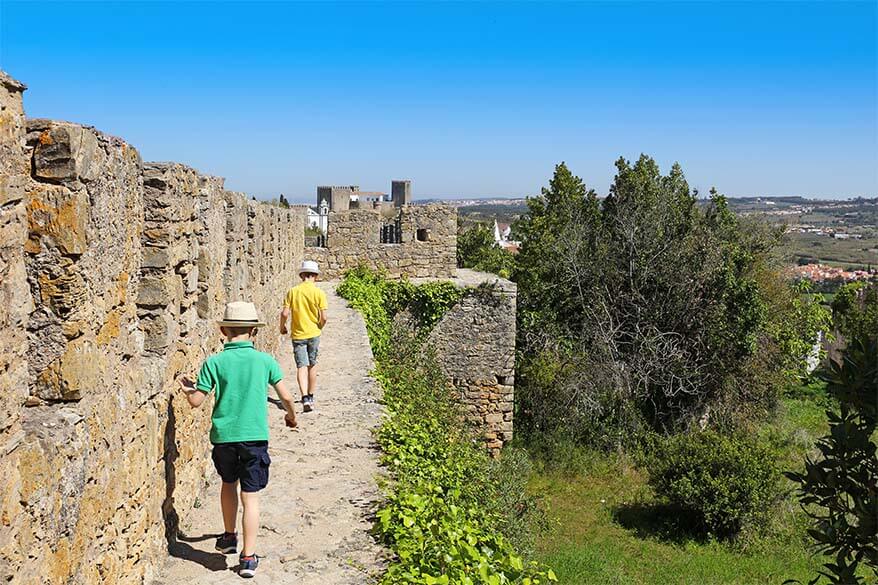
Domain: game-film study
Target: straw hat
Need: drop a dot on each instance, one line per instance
(309, 266)
(240, 314)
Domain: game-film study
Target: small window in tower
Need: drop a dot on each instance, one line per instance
(423, 235)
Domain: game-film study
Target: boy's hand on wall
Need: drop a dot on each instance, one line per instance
(186, 383)
(194, 397)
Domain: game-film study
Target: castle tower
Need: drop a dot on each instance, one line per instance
(401, 192)
(338, 198)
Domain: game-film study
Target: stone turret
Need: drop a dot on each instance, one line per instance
(338, 197)
(401, 192)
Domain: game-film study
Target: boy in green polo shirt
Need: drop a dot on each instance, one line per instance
(238, 377)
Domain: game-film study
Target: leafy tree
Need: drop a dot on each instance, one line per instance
(477, 249)
(839, 490)
(855, 309)
(654, 312)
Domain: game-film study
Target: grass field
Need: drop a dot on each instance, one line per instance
(848, 254)
(608, 528)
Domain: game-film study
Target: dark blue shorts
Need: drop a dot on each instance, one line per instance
(246, 462)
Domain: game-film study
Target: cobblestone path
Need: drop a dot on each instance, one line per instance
(314, 512)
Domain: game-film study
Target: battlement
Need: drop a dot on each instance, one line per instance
(344, 197)
(414, 241)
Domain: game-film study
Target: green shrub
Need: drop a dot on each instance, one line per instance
(724, 482)
(449, 511)
(380, 299)
(522, 516)
(855, 309)
(477, 249)
(839, 488)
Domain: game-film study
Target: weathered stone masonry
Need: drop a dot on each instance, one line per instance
(428, 245)
(112, 272)
(475, 345)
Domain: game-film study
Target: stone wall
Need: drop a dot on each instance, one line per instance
(428, 246)
(475, 345)
(112, 273)
(15, 305)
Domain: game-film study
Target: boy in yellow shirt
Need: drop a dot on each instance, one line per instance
(306, 304)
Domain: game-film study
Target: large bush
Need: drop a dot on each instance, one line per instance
(452, 516)
(724, 482)
(650, 310)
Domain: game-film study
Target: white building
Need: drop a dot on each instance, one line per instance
(502, 235)
(502, 231)
(313, 218)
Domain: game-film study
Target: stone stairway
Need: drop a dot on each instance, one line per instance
(314, 512)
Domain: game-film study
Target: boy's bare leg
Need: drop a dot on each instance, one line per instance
(229, 504)
(302, 378)
(312, 379)
(251, 522)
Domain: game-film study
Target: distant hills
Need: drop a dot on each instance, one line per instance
(782, 200)
(472, 201)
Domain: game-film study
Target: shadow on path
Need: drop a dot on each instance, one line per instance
(212, 561)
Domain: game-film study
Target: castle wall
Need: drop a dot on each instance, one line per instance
(112, 273)
(353, 238)
(475, 346)
(15, 305)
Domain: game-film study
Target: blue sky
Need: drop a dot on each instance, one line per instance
(466, 99)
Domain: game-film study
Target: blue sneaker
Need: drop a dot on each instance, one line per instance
(248, 565)
(227, 543)
(307, 402)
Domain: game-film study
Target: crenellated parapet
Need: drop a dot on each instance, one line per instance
(413, 241)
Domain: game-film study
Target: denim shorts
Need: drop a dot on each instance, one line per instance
(305, 351)
(245, 461)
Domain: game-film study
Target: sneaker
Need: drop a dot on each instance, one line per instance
(307, 402)
(248, 565)
(227, 543)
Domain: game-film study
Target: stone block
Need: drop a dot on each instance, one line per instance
(159, 332)
(155, 257)
(79, 370)
(156, 291)
(12, 188)
(66, 152)
(205, 265)
(58, 217)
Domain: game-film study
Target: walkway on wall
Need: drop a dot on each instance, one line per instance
(314, 528)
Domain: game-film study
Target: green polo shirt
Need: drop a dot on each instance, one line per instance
(239, 376)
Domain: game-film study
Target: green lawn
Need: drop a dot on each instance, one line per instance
(607, 528)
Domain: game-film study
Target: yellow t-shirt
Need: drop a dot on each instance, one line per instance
(305, 302)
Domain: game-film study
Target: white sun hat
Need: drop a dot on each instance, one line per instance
(240, 314)
(309, 266)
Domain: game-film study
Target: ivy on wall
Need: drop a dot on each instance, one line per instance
(444, 516)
